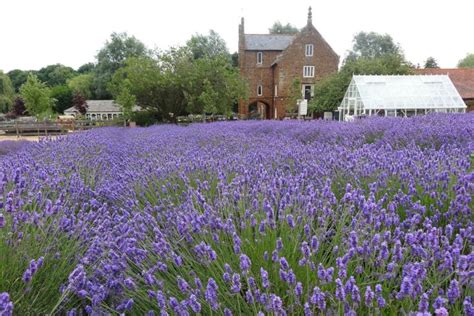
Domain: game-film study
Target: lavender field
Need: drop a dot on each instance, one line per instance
(372, 217)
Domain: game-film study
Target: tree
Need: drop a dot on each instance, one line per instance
(6, 93)
(79, 103)
(112, 56)
(431, 63)
(62, 96)
(207, 46)
(86, 68)
(83, 84)
(19, 108)
(278, 28)
(55, 75)
(467, 62)
(37, 97)
(126, 100)
(373, 45)
(18, 78)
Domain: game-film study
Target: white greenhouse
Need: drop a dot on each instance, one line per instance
(399, 96)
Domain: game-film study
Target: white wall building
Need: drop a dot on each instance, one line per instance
(100, 110)
(400, 96)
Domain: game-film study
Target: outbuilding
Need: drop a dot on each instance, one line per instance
(100, 110)
(393, 95)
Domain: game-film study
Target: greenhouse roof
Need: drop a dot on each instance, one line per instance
(402, 92)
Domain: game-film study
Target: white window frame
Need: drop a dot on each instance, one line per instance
(309, 50)
(259, 58)
(276, 90)
(308, 72)
(259, 90)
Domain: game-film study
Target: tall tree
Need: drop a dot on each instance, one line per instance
(86, 68)
(431, 63)
(18, 78)
(126, 100)
(373, 45)
(62, 96)
(207, 46)
(278, 28)
(37, 97)
(55, 75)
(112, 56)
(467, 62)
(83, 84)
(6, 93)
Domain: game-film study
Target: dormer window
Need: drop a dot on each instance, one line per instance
(309, 48)
(259, 58)
(259, 90)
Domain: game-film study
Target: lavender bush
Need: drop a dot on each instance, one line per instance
(249, 218)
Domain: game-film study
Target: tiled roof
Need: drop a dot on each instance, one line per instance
(100, 106)
(267, 41)
(462, 78)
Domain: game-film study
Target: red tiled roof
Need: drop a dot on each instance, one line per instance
(462, 78)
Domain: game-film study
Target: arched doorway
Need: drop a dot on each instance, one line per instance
(259, 110)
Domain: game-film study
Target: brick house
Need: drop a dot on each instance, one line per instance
(462, 78)
(277, 65)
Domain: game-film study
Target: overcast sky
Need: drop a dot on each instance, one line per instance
(36, 33)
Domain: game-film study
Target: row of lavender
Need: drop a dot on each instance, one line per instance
(308, 218)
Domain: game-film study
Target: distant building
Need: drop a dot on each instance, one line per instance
(400, 96)
(462, 78)
(100, 110)
(273, 63)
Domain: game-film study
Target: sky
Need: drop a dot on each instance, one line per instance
(34, 34)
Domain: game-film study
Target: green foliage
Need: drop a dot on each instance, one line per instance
(37, 97)
(467, 62)
(373, 45)
(63, 98)
(126, 100)
(54, 75)
(145, 118)
(197, 78)
(86, 68)
(207, 46)
(431, 63)
(278, 28)
(329, 93)
(18, 78)
(6, 93)
(112, 57)
(82, 84)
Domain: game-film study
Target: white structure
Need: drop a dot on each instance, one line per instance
(100, 110)
(400, 96)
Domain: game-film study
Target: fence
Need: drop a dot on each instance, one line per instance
(19, 128)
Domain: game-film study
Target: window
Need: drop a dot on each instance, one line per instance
(276, 90)
(259, 58)
(309, 49)
(259, 90)
(308, 71)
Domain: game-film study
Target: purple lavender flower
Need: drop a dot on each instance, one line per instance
(265, 281)
(442, 312)
(211, 294)
(340, 292)
(369, 296)
(194, 303)
(244, 263)
(6, 306)
(235, 288)
(284, 264)
(453, 291)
